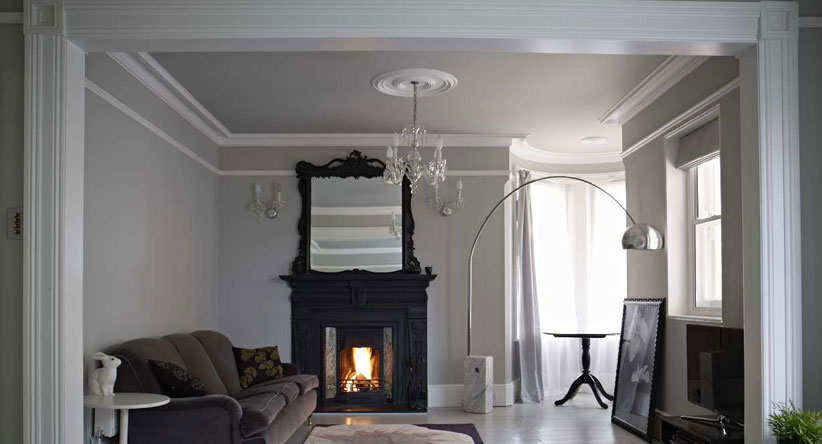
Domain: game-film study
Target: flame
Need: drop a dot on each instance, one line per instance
(363, 369)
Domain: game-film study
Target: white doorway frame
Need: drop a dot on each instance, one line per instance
(59, 33)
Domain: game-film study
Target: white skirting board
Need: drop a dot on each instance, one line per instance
(450, 395)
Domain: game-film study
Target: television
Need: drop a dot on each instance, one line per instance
(716, 370)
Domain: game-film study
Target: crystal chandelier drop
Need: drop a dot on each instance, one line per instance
(412, 165)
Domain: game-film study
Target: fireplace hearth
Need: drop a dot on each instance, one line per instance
(365, 337)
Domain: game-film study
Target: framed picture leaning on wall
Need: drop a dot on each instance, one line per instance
(640, 354)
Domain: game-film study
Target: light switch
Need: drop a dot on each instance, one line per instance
(14, 223)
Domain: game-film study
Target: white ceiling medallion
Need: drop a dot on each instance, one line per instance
(398, 82)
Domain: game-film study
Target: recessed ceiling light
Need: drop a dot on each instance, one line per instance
(594, 139)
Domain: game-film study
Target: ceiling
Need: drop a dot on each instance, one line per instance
(555, 98)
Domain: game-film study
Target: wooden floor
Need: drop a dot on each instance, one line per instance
(578, 421)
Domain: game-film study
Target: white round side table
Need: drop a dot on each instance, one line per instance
(125, 402)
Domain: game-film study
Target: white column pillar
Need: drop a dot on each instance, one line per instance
(53, 230)
(781, 295)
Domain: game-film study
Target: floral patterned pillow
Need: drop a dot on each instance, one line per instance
(258, 365)
(178, 382)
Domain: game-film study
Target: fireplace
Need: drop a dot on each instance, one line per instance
(365, 337)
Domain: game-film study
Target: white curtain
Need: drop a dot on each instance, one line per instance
(530, 333)
(581, 276)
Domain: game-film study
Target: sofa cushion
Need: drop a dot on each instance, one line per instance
(134, 374)
(289, 390)
(258, 365)
(198, 362)
(178, 382)
(305, 382)
(219, 351)
(259, 412)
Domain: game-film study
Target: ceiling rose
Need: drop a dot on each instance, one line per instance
(430, 82)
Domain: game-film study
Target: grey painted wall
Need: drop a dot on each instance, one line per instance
(254, 304)
(646, 188)
(11, 251)
(151, 234)
(810, 139)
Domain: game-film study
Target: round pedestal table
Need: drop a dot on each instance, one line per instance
(125, 402)
(586, 377)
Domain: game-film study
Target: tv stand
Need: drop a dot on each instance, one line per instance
(676, 430)
(723, 422)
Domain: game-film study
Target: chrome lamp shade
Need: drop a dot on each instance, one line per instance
(641, 236)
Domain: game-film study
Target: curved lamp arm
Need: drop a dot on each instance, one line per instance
(653, 239)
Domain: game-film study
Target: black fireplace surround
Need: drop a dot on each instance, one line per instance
(358, 307)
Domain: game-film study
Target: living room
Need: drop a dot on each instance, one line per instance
(238, 194)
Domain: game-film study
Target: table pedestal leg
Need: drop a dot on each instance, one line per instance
(124, 426)
(586, 378)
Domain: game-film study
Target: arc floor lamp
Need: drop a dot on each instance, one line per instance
(478, 396)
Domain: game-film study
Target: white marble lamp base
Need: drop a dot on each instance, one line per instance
(478, 396)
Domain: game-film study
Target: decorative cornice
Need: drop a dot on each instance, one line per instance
(159, 81)
(361, 140)
(810, 22)
(523, 150)
(652, 87)
(680, 119)
(103, 94)
(449, 173)
(11, 18)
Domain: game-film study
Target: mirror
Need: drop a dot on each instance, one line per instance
(355, 224)
(352, 221)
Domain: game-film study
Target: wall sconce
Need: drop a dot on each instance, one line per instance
(269, 209)
(446, 208)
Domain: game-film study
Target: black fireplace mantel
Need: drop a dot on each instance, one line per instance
(398, 300)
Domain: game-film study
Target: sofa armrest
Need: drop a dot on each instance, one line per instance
(290, 369)
(211, 419)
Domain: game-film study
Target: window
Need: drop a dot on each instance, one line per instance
(705, 235)
(581, 274)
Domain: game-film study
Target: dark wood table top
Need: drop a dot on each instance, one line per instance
(580, 335)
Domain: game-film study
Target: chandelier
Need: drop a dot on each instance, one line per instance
(412, 166)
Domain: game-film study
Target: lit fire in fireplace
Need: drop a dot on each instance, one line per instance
(360, 369)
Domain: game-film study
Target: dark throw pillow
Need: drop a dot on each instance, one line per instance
(178, 382)
(257, 365)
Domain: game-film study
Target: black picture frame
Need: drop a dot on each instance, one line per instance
(638, 366)
(356, 165)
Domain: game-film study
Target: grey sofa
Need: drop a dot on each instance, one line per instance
(265, 413)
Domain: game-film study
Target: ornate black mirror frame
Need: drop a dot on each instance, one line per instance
(356, 165)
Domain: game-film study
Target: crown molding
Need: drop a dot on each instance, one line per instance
(7, 18)
(159, 81)
(523, 150)
(153, 76)
(128, 111)
(361, 139)
(810, 22)
(679, 120)
(652, 87)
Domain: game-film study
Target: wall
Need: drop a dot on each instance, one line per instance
(11, 251)
(254, 306)
(646, 178)
(150, 219)
(810, 139)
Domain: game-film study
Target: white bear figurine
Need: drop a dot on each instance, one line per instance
(101, 381)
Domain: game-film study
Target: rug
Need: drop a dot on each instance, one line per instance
(395, 434)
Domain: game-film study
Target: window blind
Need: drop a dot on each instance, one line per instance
(699, 145)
